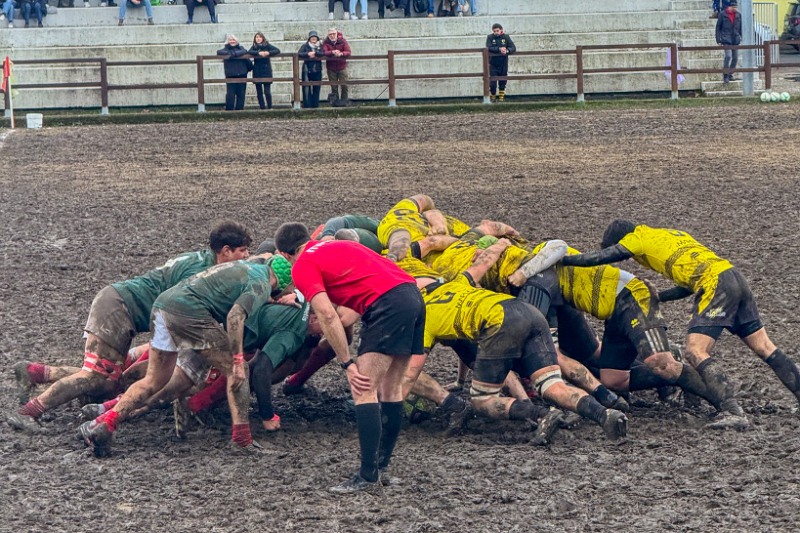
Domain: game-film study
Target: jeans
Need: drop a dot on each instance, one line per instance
(234, 95)
(34, 7)
(191, 4)
(8, 10)
(731, 58)
(311, 93)
(473, 7)
(123, 6)
(431, 7)
(338, 76)
(353, 7)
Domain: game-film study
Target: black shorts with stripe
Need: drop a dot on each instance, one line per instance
(732, 307)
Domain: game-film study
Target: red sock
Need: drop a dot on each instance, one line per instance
(208, 397)
(38, 372)
(33, 409)
(241, 435)
(110, 418)
(319, 357)
(109, 405)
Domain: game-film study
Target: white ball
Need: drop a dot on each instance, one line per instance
(774, 97)
(785, 97)
(765, 97)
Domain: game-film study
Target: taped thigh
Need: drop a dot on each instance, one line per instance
(108, 369)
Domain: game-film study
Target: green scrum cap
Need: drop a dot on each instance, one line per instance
(282, 270)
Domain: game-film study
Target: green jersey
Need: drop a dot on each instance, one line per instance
(216, 290)
(366, 227)
(277, 330)
(140, 293)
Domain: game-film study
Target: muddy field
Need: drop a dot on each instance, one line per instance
(83, 207)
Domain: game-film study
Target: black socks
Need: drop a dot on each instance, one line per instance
(786, 370)
(392, 418)
(589, 408)
(368, 418)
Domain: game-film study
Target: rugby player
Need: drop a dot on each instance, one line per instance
(364, 228)
(332, 273)
(117, 314)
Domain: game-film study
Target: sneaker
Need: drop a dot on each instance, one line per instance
(87, 4)
(290, 390)
(354, 484)
(121, 22)
(41, 25)
(390, 6)
(112, 4)
(670, 395)
(150, 22)
(24, 423)
(2, 17)
(346, 16)
(189, 21)
(571, 420)
(10, 24)
(430, 15)
(27, 24)
(387, 479)
(24, 383)
(547, 426)
(97, 437)
(615, 425)
(731, 406)
(103, 4)
(460, 14)
(729, 421)
(90, 411)
(214, 19)
(364, 17)
(182, 416)
(330, 16)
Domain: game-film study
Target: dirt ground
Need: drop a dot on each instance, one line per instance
(83, 207)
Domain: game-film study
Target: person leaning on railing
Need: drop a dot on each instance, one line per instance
(337, 50)
(311, 53)
(262, 51)
(237, 65)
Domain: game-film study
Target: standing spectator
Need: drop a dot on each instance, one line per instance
(68, 3)
(262, 51)
(311, 53)
(345, 4)
(210, 4)
(8, 12)
(500, 44)
(405, 5)
(37, 7)
(729, 33)
(364, 9)
(123, 6)
(337, 50)
(236, 66)
(473, 7)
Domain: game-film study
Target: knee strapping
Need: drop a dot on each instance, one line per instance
(108, 369)
(547, 380)
(483, 390)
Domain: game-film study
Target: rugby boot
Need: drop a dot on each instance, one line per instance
(24, 383)
(615, 424)
(387, 479)
(290, 390)
(28, 424)
(253, 449)
(182, 416)
(90, 411)
(547, 426)
(571, 420)
(353, 485)
(726, 420)
(97, 436)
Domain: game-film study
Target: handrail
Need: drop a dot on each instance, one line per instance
(578, 74)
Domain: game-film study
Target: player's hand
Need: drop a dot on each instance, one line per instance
(517, 279)
(272, 425)
(238, 377)
(505, 243)
(359, 383)
(289, 299)
(455, 386)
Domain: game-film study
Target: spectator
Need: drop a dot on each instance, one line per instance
(262, 51)
(311, 54)
(337, 50)
(38, 7)
(473, 7)
(210, 4)
(364, 9)
(715, 7)
(345, 4)
(729, 33)
(8, 12)
(68, 3)
(448, 8)
(148, 7)
(236, 66)
(405, 5)
(500, 44)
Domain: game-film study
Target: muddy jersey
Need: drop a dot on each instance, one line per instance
(457, 310)
(277, 330)
(460, 255)
(676, 255)
(418, 269)
(406, 215)
(216, 290)
(594, 290)
(365, 227)
(139, 293)
(349, 273)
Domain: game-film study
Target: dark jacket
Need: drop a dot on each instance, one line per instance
(494, 43)
(236, 63)
(312, 64)
(729, 32)
(328, 46)
(262, 66)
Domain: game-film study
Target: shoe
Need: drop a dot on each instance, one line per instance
(90, 411)
(10, 24)
(346, 16)
(41, 25)
(103, 4)
(189, 21)
(460, 14)
(670, 395)
(112, 4)
(620, 404)
(729, 421)
(332, 97)
(547, 426)
(87, 4)
(3, 16)
(214, 19)
(330, 16)
(253, 449)
(571, 420)
(354, 484)
(27, 24)
(182, 416)
(458, 420)
(24, 423)
(493, 98)
(24, 383)
(615, 425)
(121, 22)
(430, 15)
(731, 406)
(290, 390)
(731, 78)
(97, 437)
(150, 22)
(387, 479)
(364, 17)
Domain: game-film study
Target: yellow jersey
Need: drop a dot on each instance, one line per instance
(676, 255)
(460, 255)
(406, 215)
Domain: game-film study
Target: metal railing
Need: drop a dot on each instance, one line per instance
(765, 28)
(580, 73)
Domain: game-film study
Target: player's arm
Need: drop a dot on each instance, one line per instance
(675, 293)
(486, 260)
(437, 221)
(423, 201)
(236, 317)
(495, 228)
(550, 254)
(431, 243)
(334, 332)
(398, 245)
(612, 254)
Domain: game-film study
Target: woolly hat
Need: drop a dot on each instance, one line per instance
(312, 33)
(282, 270)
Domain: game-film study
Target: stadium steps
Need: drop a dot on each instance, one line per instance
(735, 88)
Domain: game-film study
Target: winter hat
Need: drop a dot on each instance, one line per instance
(312, 33)
(282, 270)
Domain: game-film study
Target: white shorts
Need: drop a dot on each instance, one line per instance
(162, 339)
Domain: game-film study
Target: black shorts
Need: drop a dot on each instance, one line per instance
(395, 323)
(631, 332)
(732, 307)
(466, 351)
(576, 338)
(521, 323)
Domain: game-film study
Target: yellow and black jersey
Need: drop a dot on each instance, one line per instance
(457, 310)
(460, 255)
(594, 290)
(406, 215)
(676, 255)
(417, 269)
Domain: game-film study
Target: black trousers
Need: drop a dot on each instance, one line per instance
(191, 4)
(498, 70)
(264, 90)
(234, 96)
(311, 93)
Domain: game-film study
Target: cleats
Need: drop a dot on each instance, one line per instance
(725, 421)
(90, 411)
(547, 426)
(24, 423)
(353, 485)
(96, 436)
(24, 383)
(387, 479)
(615, 424)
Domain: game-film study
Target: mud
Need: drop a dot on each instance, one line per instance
(83, 207)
